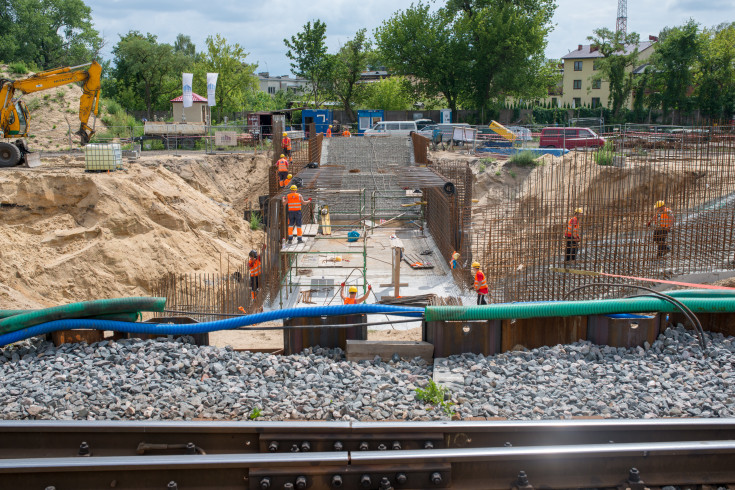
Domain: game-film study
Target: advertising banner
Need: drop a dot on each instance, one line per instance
(211, 86)
(187, 83)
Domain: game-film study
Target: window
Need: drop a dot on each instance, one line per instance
(408, 126)
(271, 90)
(553, 102)
(595, 102)
(392, 126)
(577, 66)
(571, 133)
(577, 102)
(595, 65)
(596, 83)
(577, 84)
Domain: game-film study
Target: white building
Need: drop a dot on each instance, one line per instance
(273, 84)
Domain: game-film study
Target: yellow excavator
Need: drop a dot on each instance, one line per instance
(15, 117)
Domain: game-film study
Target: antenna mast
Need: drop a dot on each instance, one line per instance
(622, 23)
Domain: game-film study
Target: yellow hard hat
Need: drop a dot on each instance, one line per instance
(285, 133)
(659, 204)
(579, 210)
(293, 187)
(475, 265)
(283, 156)
(330, 125)
(353, 289)
(455, 255)
(289, 176)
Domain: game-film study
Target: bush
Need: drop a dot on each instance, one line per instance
(524, 159)
(254, 221)
(481, 168)
(606, 154)
(18, 68)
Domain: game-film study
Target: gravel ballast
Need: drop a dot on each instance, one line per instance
(137, 380)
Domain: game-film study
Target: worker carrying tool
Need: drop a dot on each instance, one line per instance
(282, 169)
(329, 131)
(352, 299)
(480, 284)
(663, 219)
(454, 264)
(288, 180)
(286, 144)
(346, 133)
(293, 201)
(254, 269)
(572, 236)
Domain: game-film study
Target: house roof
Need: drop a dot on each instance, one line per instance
(587, 52)
(194, 97)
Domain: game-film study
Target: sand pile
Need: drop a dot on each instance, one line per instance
(67, 235)
(50, 110)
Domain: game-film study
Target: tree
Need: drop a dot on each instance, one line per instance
(672, 67)
(422, 45)
(349, 63)
(235, 75)
(620, 57)
(186, 47)
(47, 33)
(144, 65)
(308, 54)
(715, 71)
(390, 94)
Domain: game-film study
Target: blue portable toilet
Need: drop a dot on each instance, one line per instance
(322, 118)
(368, 118)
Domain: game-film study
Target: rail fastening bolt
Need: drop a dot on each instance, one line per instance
(288, 486)
(396, 446)
(401, 478)
(273, 446)
(634, 476)
(294, 448)
(366, 481)
(364, 446)
(436, 478)
(84, 449)
(191, 448)
(428, 445)
(338, 446)
(385, 484)
(305, 447)
(522, 479)
(336, 481)
(382, 447)
(265, 483)
(301, 483)
(172, 486)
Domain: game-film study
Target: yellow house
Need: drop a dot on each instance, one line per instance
(578, 88)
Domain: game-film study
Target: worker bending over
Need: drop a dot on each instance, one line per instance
(293, 201)
(352, 299)
(480, 284)
(286, 144)
(663, 219)
(254, 268)
(282, 168)
(288, 180)
(346, 133)
(572, 236)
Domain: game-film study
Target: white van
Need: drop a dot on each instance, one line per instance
(392, 128)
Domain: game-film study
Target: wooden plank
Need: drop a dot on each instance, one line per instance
(361, 350)
(412, 259)
(310, 230)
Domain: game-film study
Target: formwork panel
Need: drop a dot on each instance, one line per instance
(296, 340)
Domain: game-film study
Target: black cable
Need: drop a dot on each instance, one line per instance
(684, 309)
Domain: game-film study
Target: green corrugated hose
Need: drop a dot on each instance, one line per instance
(132, 316)
(576, 308)
(84, 309)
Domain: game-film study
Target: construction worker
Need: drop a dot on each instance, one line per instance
(288, 180)
(282, 168)
(293, 201)
(329, 131)
(352, 299)
(663, 219)
(572, 236)
(286, 144)
(454, 264)
(480, 284)
(254, 268)
(346, 133)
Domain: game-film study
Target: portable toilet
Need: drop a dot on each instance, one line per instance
(366, 119)
(322, 118)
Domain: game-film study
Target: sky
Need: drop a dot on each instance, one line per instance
(260, 27)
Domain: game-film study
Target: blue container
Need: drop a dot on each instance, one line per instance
(353, 236)
(322, 118)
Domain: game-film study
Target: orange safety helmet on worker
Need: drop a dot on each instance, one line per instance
(352, 299)
(294, 200)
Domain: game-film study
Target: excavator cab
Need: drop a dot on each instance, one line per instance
(13, 153)
(19, 119)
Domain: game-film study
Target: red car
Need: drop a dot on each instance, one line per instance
(570, 138)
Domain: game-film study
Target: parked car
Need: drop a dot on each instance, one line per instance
(432, 132)
(422, 123)
(392, 128)
(570, 138)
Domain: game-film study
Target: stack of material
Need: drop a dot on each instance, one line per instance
(418, 300)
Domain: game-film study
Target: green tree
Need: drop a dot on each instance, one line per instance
(349, 63)
(673, 65)
(308, 53)
(235, 75)
(620, 57)
(423, 45)
(143, 65)
(390, 94)
(715, 71)
(47, 33)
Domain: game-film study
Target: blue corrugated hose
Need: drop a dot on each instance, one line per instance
(195, 328)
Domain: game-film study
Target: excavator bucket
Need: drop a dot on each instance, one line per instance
(31, 160)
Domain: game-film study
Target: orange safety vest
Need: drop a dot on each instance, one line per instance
(350, 301)
(329, 132)
(665, 219)
(480, 283)
(286, 182)
(346, 133)
(294, 200)
(282, 164)
(254, 266)
(573, 228)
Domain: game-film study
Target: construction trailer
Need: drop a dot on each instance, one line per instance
(321, 118)
(368, 118)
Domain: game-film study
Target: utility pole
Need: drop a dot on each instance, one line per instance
(622, 22)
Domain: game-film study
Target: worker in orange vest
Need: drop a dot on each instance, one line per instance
(293, 201)
(572, 236)
(346, 133)
(282, 168)
(288, 180)
(329, 131)
(286, 144)
(480, 284)
(254, 269)
(352, 299)
(454, 264)
(663, 219)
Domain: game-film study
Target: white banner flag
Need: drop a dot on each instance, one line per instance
(211, 86)
(187, 82)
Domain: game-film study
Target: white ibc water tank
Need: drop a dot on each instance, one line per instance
(102, 157)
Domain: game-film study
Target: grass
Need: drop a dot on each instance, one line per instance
(435, 395)
(512, 174)
(34, 104)
(18, 68)
(254, 222)
(481, 168)
(488, 160)
(524, 159)
(255, 413)
(606, 154)
(498, 173)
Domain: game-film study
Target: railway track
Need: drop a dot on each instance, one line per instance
(634, 454)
